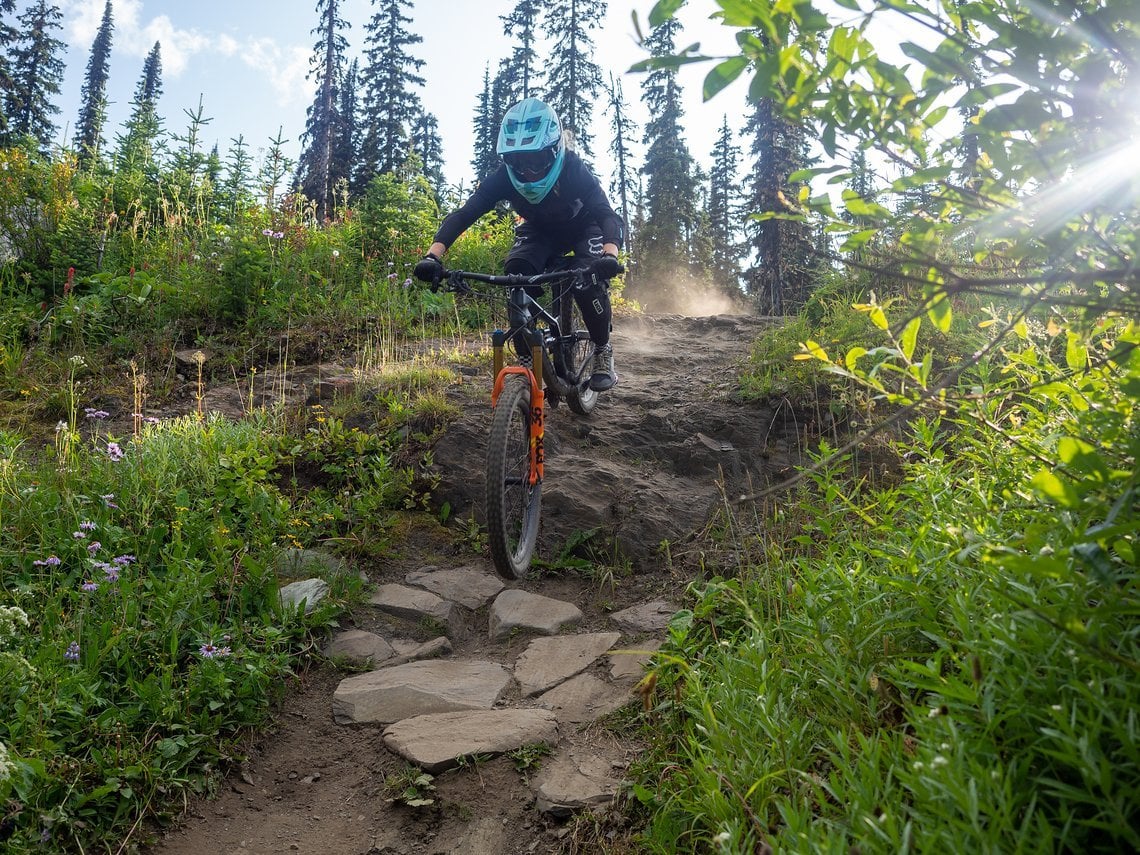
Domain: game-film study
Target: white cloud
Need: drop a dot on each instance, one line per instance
(284, 68)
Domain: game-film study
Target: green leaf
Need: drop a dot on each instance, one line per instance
(1081, 457)
(1056, 490)
(939, 312)
(1076, 354)
(910, 337)
(663, 11)
(723, 74)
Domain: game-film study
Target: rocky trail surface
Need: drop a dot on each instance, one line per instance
(482, 716)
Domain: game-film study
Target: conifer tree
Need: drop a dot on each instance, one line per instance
(345, 144)
(428, 145)
(36, 74)
(624, 180)
(724, 212)
(238, 176)
(8, 36)
(522, 22)
(573, 79)
(670, 191)
(136, 147)
(93, 98)
(389, 74)
(315, 167)
(484, 160)
(781, 278)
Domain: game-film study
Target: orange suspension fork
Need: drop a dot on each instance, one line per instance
(537, 454)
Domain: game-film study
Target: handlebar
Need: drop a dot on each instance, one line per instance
(456, 278)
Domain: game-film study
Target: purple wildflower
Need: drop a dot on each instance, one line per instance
(407, 283)
(278, 235)
(87, 525)
(151, 420)
(89, 586)
(93, 413)
(79, 535)
(50, 561)
(209, 651)
(123, 560)
(109, 500)
(392, 277)
(109, 570)
(93, 547)
(267, 232)
(72, 652)
(114, 451)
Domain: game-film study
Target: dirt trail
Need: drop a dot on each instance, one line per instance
(643, 469)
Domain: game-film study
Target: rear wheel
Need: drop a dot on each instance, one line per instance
(513, 503)
(577, 354)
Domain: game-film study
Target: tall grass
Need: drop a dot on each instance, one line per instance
(945, 660)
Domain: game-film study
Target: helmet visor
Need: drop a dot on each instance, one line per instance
(530, 165)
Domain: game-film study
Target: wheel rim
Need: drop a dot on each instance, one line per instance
(518, 492)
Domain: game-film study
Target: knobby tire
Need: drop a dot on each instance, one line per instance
(576, 353)
(513, 504)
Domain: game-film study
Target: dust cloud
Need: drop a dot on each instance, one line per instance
(683, 295)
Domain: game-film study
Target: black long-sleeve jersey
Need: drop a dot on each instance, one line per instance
(577, 197)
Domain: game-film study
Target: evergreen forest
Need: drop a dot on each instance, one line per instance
(925, 639)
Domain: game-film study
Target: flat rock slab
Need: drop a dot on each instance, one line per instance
(569, 784)
(584, 698)
(409, 651)
(628, 666)
(438, 742)
(411, 603)
(647, 617)
(359, 646)
(307, 593)
(547, 662)
(467, 586)
(514, 609)
(418, 688)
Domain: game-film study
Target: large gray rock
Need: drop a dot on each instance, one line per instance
(418, 688)
(412, 604)
(308, 592)
(584, 698)
(567, 784)
(437, 742)
(357, 645)
(514, 609)
(467, 586)
(547, 662)
(629, 666)
(647, 617)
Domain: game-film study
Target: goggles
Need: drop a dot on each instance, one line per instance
(530, 165)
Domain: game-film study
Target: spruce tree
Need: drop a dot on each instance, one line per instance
(573, 79)
(428, 145)
(93, 98)
(724, 212)
(36, 74)
(624, 180)
(390, 106)
(8, 36)
(781, 278)
(137, 145)
(522, 23)
(484, 160)
(670, 191)
(345, 144)
(314, 169)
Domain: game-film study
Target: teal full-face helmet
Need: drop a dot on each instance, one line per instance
(530, 143)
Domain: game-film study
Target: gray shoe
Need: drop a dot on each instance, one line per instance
(604, 377)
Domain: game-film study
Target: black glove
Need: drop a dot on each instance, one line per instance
(429, 269)
(606, 267)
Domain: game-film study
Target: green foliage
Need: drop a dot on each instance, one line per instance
(154, 637)
(945, 662)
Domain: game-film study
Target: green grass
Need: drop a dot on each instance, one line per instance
(947, 662)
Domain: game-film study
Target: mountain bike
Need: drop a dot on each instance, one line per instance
(561, 357)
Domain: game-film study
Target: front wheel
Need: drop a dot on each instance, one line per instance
(577, 355)
(513, 503)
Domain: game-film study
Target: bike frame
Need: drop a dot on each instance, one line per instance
(522, 309)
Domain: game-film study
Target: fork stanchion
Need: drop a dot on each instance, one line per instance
(498, 339)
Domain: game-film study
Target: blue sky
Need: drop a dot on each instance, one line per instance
(247, 61)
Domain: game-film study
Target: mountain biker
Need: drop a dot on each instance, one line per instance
(563, 208)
